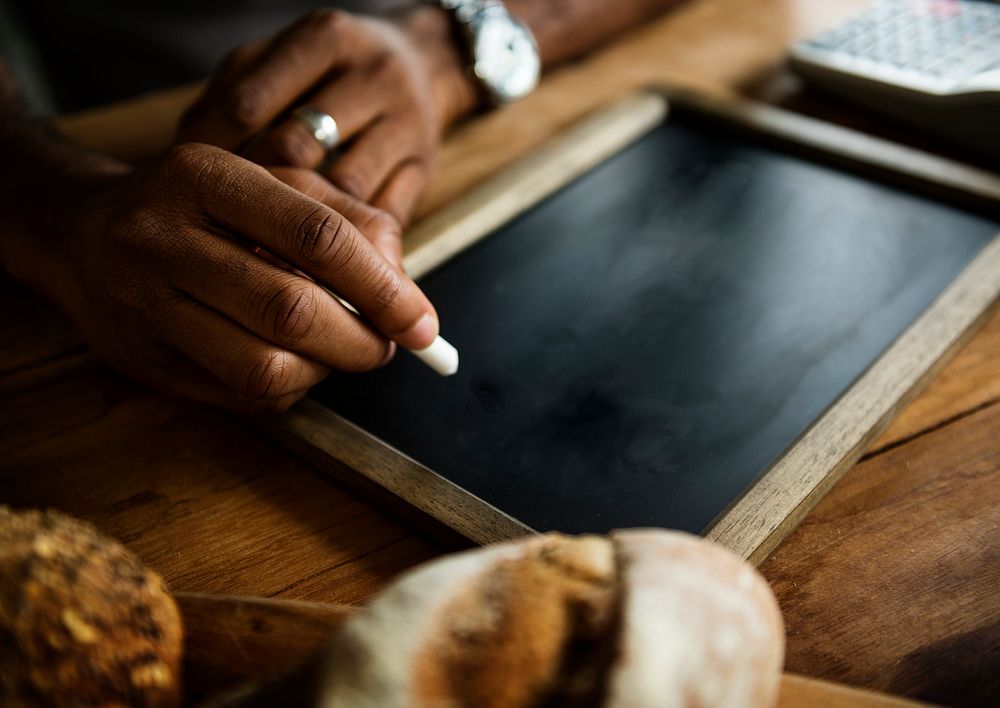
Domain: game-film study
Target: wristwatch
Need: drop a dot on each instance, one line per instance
(504, 54)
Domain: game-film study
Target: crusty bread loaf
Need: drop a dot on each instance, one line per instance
(642, 619)
(82, 622)
(699, 627)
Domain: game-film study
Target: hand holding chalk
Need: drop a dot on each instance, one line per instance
(440, 355)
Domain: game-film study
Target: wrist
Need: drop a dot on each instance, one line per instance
(431, 31)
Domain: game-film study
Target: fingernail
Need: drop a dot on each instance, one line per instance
(421, 334)
(390, 352)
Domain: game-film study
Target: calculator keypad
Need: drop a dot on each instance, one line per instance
(942, 41)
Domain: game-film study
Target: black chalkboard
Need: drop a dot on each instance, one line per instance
(641, 346)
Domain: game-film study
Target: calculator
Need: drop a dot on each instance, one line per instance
(935, 63)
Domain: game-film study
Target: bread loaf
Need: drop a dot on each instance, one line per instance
(641, 619)
(82, 622)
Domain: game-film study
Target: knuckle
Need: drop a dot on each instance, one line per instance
(244, 106)
(190, 164)
(184, 157)
(327, 20)
(386, 289)
(235, 59)
(380, 223)
(324, 240)
(140, 239)
(294, 147)
(366, 359)
(312, 185)
(385, 223)
(392, 71)
(268, 374)
(351, 180)
(291, 312)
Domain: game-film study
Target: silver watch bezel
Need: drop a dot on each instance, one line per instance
(472, 16)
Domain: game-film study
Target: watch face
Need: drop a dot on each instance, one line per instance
(507, 60)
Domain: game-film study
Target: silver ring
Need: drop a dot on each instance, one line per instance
(320, 125)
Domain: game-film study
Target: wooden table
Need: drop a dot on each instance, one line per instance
(891, 583)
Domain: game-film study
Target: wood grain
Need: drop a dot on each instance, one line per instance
(908, 542)
(342, 444)
(205, 502)
(229, 640)
(217, 509)
(799, 691)
(970, 382)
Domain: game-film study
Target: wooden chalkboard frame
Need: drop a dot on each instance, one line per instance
(754, 524)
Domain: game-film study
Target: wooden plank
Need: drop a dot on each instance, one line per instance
(133, 129)
(343, 444)
(970, 382)
(891, 582)
(856, 151)
(202, 499)
(799, 691)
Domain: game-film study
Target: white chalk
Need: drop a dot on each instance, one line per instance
(440, 356)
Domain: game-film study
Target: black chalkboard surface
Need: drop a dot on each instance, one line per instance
(638, 348)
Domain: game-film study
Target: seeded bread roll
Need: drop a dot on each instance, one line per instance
(641, 619)
(82, 622)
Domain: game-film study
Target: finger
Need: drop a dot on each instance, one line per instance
(353, 100)
(292, 64)
(280, 307)
(320, 242)
(166, 371)
(245, 363)
(205, 389)
(379, 226)
(374, 155)
(200, 122)
(401, 192)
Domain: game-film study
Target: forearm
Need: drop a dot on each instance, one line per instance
(44, 181)
(566, 29)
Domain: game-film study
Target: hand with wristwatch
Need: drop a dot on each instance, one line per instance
(378, 93)
(365, 101)
(174, 270)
